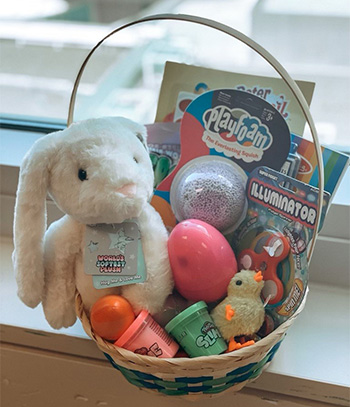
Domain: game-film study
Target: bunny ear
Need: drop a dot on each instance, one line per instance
(30, 221)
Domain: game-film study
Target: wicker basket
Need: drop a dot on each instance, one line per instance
(210, 375)
(205, 375)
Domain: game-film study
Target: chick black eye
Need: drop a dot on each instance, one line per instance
(239, 282)
(82, 174)
(136, 160)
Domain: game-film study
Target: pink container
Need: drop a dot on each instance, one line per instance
(144, 336)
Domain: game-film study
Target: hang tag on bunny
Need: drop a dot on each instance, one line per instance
(114, 255)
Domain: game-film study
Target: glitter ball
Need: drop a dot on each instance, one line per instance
(212, 191)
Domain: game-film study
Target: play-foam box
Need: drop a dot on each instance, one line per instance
(234, 125)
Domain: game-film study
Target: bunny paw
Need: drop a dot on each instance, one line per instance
(65, 318)
(30, 299)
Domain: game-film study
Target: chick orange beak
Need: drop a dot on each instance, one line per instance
(258, 277)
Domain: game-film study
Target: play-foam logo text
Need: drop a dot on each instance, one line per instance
(236, 133)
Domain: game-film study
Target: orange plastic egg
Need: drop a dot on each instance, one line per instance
(111, 316)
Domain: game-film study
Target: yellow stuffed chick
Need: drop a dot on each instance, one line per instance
(242, 311)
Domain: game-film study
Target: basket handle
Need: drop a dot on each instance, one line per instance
(293, 87)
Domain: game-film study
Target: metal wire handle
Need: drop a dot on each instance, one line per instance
(293, 87)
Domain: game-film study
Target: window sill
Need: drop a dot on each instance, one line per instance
(312, 363)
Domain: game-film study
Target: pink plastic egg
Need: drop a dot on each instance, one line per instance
(201, 259)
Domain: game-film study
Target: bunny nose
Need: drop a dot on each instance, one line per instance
(258, 276)
(127, 189)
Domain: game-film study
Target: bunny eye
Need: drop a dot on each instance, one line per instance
(82, 174)
(239, 282)
(136, 160)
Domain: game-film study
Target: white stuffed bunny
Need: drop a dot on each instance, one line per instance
(96, 171)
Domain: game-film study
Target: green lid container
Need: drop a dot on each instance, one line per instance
(195, 331)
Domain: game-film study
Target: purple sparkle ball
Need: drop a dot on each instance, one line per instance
(212, 190)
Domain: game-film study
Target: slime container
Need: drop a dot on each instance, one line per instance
(146, 337)
(195, 331)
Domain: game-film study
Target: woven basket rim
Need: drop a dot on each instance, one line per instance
(185, 362)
